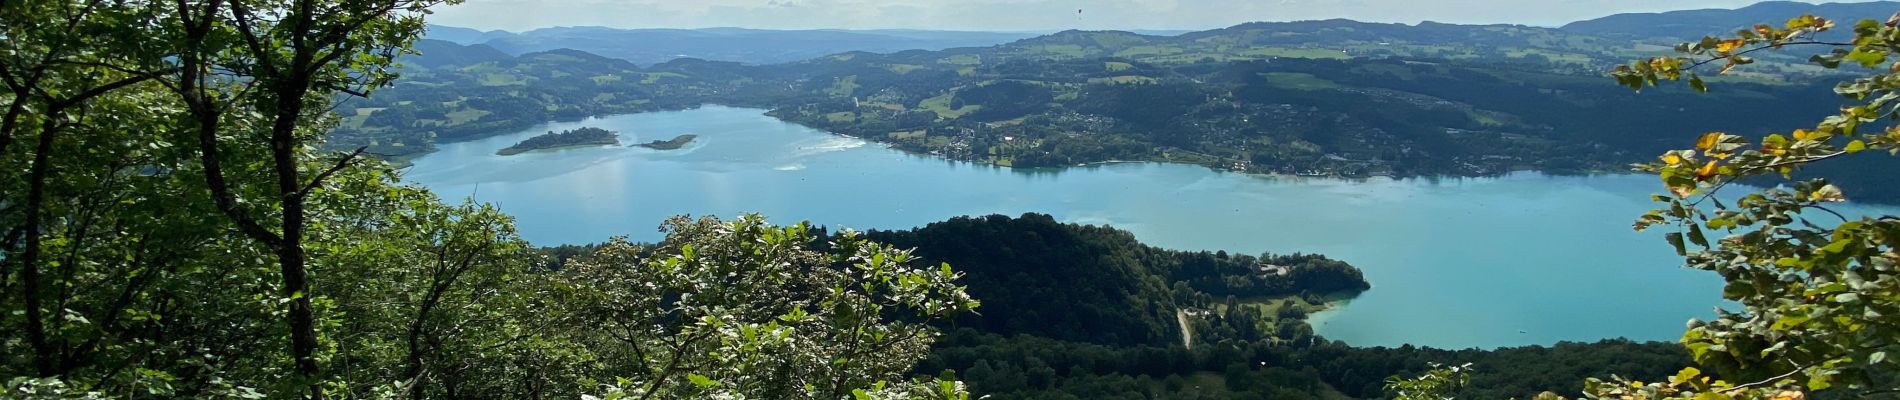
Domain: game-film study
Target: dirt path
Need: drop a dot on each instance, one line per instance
(1187, 333)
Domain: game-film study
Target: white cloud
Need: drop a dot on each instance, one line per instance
(1025, 14)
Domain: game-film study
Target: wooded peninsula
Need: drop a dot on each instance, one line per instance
(674, 144)
(586, 136)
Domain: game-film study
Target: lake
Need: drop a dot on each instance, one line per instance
(1475, 262)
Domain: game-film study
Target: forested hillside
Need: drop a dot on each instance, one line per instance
(1087, 312)
(748, 46)
(175, 222)
(1689, 25)
(1098, 285)
(1082, 97)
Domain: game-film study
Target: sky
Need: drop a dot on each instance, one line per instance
(1026, 15)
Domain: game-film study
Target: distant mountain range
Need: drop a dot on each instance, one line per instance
(1601, 36)
(1332, 97)
(1690, 24)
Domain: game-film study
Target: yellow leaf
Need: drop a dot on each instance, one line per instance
(1728, 46)
(1802, 134)
(1801, 22)
(1682, 191)
(1829, 193)
(1708, 170)
(1708, 141)
(1672, 159)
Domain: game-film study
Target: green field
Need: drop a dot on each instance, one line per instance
(655, 77)
(1299, 81)
(843, 87)
(845, 116)
(903, 68)
(941, 106)
(1124, 79)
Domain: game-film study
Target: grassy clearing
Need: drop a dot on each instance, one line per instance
(465, 115)
(655, 77)
(1124, 79)
(887, 106)
(846, 116)
(1484, 119)
(962, 59)
(941, 106)
(903, 68)
(1148, 51)
(1063, 50)
(1269, 52)
(501, 79)
(606, 79)
(843, 87)
(1299, 81)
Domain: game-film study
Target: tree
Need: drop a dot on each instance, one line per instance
(1439, 383)
(743, 309)
(268, 68)
(1819, 289)
(167, 230)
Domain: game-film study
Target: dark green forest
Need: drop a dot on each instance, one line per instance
(1083, 97)
(1088, 312)
(203, 199)
(585, 136)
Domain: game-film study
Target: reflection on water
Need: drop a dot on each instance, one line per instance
(1456, 262)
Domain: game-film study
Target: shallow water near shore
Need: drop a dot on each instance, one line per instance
(1474, 262)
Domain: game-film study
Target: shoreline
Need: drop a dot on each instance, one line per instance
(506, 151)
(409, 158)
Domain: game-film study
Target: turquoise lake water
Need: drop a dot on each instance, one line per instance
(1474, 262)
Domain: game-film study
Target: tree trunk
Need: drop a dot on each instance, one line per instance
(43, 352)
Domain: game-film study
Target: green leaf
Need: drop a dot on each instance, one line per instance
(1819, 382)
(1675, 239)
(1867, 59)
(1687, 374)
(1856, 146)
(702, 381)
(1712, 396)
(1847, 298)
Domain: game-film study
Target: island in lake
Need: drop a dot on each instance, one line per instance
(674, 144)
(587, 136)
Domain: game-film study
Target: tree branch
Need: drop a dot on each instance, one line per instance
(99, 90)
(243, 17)
(1699, 64)
(340, 164)
(1764, 381)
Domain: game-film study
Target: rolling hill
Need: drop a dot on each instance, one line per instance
(750, 46)
(1334, 98)
(1691, 24)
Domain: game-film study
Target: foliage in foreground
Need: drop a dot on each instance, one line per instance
(748, 310)
(1820, 290)
(168, 230)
